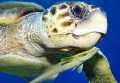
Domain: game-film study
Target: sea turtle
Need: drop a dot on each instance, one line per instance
(33, 39)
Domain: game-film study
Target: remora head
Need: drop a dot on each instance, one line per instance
(75, 24)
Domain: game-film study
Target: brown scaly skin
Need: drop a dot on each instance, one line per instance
(20, 63)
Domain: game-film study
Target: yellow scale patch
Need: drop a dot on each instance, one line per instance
(8, 19)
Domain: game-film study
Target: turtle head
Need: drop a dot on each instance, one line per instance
(74, 24)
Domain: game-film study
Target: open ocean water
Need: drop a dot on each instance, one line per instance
(110, 45)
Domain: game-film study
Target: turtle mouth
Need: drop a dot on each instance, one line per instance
(87, 40)
(79, 36)
(83, 41)
(76, 36)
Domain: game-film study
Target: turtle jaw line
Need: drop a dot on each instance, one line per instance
(84, 41)
(77, 36)
(82, 35)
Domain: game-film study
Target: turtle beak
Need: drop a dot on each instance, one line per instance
(90, 29)
(96, 22)
(89, 19)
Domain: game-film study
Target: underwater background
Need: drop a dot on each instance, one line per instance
(110, 45)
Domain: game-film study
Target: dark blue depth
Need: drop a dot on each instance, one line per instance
(110, 45)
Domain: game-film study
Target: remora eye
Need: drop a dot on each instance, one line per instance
(77, 10)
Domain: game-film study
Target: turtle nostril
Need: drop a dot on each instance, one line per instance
(93, 7)
(102, 10)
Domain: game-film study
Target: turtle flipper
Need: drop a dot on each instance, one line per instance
(97, 70)
(25, 78)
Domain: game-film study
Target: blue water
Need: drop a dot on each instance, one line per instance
(110, 45)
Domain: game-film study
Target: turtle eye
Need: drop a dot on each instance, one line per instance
(77, 10)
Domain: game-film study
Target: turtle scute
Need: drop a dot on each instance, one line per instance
(11, 11)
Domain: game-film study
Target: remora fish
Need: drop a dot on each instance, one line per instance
(66, 64)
